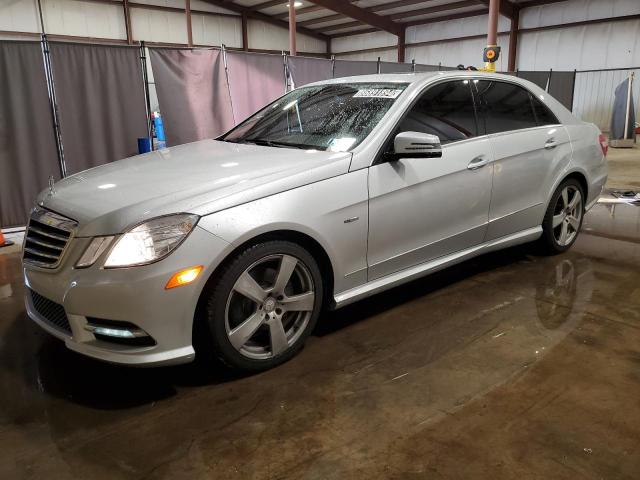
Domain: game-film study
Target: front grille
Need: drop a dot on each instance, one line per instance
(47, 237)
(52, 312)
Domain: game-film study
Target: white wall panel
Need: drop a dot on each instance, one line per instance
(385, 56)
(360, 42)
(270, 37)
(600, 46)
(163, 3)
(576, 11)
(449, 53)
(454, 28)
(19, 16)
(84, 19)
(207, 7)
(156, 26)
(454, 53)
(210, 30)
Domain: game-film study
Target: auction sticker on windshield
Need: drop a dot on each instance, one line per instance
(378, 93)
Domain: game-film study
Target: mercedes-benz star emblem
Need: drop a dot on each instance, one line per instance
(52, 182)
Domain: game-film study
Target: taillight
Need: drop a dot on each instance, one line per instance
(604, 145)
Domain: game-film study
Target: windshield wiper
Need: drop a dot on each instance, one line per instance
(274, 143)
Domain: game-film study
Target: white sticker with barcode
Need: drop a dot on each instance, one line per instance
(378, 93)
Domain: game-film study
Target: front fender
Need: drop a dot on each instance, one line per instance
(319, 210)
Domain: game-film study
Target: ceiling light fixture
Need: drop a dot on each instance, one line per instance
(295, 4)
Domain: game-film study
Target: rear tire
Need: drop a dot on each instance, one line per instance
(263, 306)
(563, 218)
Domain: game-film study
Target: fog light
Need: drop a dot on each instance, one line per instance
(113, 332)
(183, 277)
(116, 332)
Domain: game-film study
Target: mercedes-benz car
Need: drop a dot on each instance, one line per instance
(332, 193)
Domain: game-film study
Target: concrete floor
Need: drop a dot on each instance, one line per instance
(624, 168)
(508, 366)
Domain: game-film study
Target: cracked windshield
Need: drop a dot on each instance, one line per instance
(334, 118)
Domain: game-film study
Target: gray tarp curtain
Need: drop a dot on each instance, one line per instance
(561, 87)
(426, 68)
(27, 146)
(348, 68)
(101, 102)
(393, 67)
(539, 78)
(304, 70)
(192, 92)
(255, 80)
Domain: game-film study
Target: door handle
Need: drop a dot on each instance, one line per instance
(551, 143)
(477, 163)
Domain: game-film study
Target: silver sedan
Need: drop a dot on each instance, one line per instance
(230, 248)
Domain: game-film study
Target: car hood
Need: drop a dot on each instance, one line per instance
(201, 178)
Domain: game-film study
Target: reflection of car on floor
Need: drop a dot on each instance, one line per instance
(334, 192)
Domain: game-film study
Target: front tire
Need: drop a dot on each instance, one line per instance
(563, 218)
(263, 306)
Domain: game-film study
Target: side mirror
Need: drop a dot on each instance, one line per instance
(416, 145)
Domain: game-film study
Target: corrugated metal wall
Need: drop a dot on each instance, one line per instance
(593, 97)
(102, 20)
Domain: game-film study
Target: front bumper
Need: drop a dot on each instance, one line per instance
(135, 295)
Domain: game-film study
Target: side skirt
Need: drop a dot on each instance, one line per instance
(380, 284)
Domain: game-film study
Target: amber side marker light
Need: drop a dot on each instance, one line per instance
(183, 277)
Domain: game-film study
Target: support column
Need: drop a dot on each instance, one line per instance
(245, 34)
(292, 28)
(187, 10)
(127, 21)
(513, 39)
(492, 30)
(401, 45)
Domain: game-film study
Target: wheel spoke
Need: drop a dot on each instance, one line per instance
(565, 197)
(278, 338)
(574, 200)
(564, 233)
(299, 303)
(243, 332)
(248, 287)
(287, 265)
(574, 222)
(558, 219)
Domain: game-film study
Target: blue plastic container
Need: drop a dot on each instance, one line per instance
(157, 120)
(144, 145)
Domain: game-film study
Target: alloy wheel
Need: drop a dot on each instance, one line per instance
(269, 306)
(567, 216)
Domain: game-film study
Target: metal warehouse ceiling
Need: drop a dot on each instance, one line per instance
(336, 18)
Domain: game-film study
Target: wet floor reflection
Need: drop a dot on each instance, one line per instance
(367, 394)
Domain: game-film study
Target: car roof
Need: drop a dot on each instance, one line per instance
(418, 79)
(413, 77)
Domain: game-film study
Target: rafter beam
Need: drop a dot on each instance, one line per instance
(340, 26)
(265, 5)
(506, 7)
(360, 14)
(301, 11)
(435, 9)
(537, 3)
(234, 7)
(445, 18)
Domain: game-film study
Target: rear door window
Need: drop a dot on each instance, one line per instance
(505, 106)
(544, 116)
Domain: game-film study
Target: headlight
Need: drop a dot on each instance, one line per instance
(151, 241)
(96, 248)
